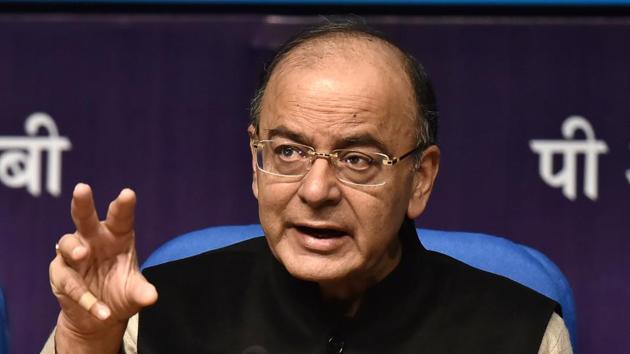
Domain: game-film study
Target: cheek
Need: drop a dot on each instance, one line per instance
(275, 195)
(273, 201)
(379, 215)
(381, 203)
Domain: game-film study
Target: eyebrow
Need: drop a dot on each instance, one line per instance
(284, 132)
(359, 140)
(367, 140)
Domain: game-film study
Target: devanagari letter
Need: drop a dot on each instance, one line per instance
(569, 148)
(20, 164)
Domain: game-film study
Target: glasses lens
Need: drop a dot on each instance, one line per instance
(282, 158)
(360, 168)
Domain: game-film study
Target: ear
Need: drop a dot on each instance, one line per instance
(424, 176)
(251, 131)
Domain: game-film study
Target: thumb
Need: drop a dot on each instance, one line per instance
(142, 293)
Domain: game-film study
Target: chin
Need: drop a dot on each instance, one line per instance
(315, 268)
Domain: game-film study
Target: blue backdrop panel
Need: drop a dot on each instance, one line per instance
(159, 103)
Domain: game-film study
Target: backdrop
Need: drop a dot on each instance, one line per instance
(535, 134)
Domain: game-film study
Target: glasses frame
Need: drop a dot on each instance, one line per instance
(332, 157)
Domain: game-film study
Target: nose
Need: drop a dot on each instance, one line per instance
(320, 187)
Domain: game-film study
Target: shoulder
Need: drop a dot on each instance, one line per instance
(203, 296)
(455, 275)
(491, 311)
(237, 259)
(479, 294)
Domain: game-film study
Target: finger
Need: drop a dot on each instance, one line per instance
(82, 210)
(72, 249)
(67, 283)
(87, 300)
(120, 215)
(142, 293)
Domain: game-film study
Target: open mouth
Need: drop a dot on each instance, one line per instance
(322, 233)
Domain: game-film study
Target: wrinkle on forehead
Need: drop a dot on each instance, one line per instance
(331, 110)
(348, 104)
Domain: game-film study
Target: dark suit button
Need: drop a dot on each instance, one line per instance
(335, 345)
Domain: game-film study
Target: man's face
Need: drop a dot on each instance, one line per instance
(322, 229)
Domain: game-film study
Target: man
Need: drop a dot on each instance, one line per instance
(343, 137)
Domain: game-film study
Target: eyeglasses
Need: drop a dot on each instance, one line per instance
(279, 157)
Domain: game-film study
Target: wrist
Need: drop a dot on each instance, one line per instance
(102, 340)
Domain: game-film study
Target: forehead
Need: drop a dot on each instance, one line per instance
(342, 88)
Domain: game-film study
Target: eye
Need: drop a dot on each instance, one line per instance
(289, 152)
(357, 160)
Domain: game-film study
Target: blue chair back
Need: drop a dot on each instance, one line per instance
(493, 254)
(4, 326)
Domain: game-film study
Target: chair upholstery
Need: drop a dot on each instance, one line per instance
(493, 254)
(4, 326)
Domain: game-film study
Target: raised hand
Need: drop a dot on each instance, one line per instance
(95, 276)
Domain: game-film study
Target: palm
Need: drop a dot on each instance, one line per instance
(107, 273)
(105, 265)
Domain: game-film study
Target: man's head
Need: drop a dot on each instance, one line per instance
(341, 86)
(425, 102)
